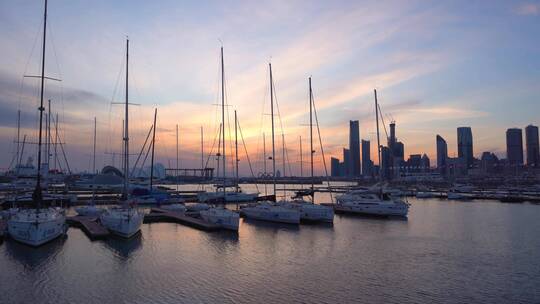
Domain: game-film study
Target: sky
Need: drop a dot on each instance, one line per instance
(436, 65)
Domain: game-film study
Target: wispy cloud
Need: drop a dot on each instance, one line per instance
(528, 9)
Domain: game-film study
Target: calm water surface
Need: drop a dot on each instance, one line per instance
(446, 252)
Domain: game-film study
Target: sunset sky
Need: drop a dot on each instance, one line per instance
(436, 65)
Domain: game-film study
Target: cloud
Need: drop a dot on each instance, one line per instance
(527, 9)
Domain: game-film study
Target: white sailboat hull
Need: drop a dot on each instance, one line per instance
(35, 228)
(222, 217)
(272, 213)
(124, 222)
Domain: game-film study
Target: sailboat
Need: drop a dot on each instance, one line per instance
(91, 209)
(124, 220)
(267, 210)
(39, 225)
(309, 211)
(221, 215)
(376, 202)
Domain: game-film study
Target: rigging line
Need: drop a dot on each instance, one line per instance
(62, 147)
(144, 160)
(382, 118)
(322, 149)
(247, 154)
(142, 150)
(287, 159)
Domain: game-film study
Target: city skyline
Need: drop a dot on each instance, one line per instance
(429, 89)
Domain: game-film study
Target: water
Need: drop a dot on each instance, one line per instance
(446, 252)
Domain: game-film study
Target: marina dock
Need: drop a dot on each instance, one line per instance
(90, 226)
(158, 215)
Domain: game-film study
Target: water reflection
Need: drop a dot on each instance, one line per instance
(31, 257)
(264, 225)
(124, 249)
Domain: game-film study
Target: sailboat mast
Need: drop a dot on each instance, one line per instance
(273, 135)
(49, 135)
(223, 116)
(202, 148)
(236, 147)
(264, 163)
(378, 138)
(37, 196)
(301, 159)
(126, 130)
(177, 162)
(311, 151)
(95, 135)
(153, 149)
(18, 139)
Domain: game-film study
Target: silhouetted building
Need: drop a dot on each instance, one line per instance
(533, 151)
(386, 163)
(366, 158)
(514, 146)
(334, 165)
(465, 145)
(347, 162)
(354, 148)
(425, 163)
(414, 163)
(442, 155)
(489, 162)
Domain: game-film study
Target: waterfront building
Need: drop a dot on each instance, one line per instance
(347, 162)
(514, 146)
(465, 145)
(334, 165)
(533, 151)
(366, 158)
(354, 148)
(442, 155)
(425, 163)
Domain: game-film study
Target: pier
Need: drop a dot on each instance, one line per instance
(158, 215)
(90, 226)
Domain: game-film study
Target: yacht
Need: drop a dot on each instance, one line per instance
(197, 207)
(221, 216)
(271, 212)
(230, 197)
(36, 227)
(176, 207)
(369, 203)
(310, 212)
(455, 195)
(124, 221)
(40, 224)
(89, 210)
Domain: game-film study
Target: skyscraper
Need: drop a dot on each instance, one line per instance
(514, 146)
(366, 158)
(346, 162)
(442, 154)
(354, 148)
(465, 145)
(531, 139)
(334, 165)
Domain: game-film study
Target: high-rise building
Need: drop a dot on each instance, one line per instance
(366, 158)
(514, 146)
(425, 163)
(354, 148)
(442, 154)
(533, 150)
(334, 165)
(346, 162)
(465, 145)
(386, 163)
